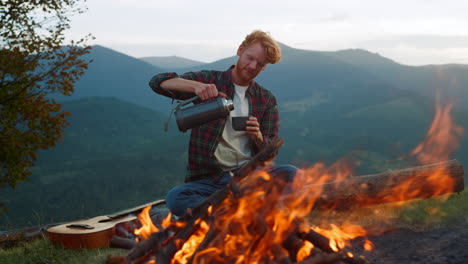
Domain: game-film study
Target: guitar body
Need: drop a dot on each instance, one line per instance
(94, 232)
(91, 233)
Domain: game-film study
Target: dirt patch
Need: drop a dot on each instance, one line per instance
(447, 245)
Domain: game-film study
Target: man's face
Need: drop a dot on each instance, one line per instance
(252, 60)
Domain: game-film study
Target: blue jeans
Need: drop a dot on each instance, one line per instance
(190, 194)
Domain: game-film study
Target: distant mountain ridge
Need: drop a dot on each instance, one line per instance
(171, 62)
(118, 75)
(115, 74)
(450, 80)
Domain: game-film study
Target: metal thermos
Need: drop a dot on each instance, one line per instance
(201, 113)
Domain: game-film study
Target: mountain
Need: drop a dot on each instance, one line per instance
(353, 75)
(308, 78)
(115, 74)
(171, 63)
(363, 58)
(450, 81)
(114, 155)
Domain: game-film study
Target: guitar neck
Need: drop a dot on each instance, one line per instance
(135, 209)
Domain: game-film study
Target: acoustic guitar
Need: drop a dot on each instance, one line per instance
(94, 232)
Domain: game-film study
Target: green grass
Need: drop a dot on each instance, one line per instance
(418, 215)
(41, 251)
(436, 212)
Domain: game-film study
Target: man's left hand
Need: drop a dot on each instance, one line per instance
(253, 130)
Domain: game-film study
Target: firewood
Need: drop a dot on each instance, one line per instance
(267, 154)
(322, 245)
(208, 238)
(378, 188)
(293, 244)
(149, 245)
(280, 255)
(122, 242)
(259, 229)
(318, 240)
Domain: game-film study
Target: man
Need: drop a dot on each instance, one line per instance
(216, 149)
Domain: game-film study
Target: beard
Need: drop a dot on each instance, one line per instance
(245, 75)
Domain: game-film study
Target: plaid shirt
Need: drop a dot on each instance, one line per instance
(204, 139)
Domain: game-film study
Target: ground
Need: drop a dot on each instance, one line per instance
(447, 245)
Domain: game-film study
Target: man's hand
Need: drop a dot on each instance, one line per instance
(207, 91)
(203, 90)
(253, 130)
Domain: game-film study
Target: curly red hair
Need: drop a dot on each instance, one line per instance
(272, 48)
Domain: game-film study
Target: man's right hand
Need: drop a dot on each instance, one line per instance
(203, 90)
(206, 91)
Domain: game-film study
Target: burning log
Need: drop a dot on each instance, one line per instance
(393, 186)
(325, 253)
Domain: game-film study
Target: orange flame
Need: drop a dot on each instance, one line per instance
(184, 254)
(305, 251)
(339, 236)
(442, 138)
(147, 227)
(167, 221)
(368, 245)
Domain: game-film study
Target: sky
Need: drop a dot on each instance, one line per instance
(410, 32)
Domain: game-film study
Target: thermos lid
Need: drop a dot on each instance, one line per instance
(228, 104)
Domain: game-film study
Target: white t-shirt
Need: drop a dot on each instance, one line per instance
(233, 149)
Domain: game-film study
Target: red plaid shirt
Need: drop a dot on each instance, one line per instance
(204, 139)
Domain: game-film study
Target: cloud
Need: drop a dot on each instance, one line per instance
(335, 18)
(421, 49)
(377, 26)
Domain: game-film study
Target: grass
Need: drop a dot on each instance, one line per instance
(435, 212)
(41, 251)
(417, 215)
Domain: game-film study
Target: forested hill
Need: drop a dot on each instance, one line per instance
(115, 155)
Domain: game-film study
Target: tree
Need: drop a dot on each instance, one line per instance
(34, 63)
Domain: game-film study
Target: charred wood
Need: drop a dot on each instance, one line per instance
(293, 244)
(318, 240)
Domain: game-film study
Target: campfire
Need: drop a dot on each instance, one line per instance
(259, 219)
